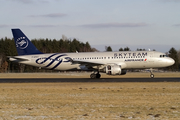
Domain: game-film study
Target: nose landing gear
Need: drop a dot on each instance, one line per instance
(152, 75)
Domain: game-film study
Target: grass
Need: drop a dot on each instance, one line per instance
(90, 100)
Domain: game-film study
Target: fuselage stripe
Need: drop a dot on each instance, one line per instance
(56, 65)
(54, 60)
(46, 58)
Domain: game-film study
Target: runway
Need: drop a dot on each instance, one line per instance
(50, 80)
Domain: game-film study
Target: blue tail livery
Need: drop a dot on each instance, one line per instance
(23, 45)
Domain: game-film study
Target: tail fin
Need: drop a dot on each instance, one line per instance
(23, 45)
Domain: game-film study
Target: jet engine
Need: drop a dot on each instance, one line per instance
(114, 70)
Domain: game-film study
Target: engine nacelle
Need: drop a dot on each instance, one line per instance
(114, 70)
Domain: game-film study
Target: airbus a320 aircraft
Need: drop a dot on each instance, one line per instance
(111, 63)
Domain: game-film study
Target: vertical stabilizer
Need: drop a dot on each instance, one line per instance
(23, 45)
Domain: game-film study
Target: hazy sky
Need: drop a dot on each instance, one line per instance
(119, 23)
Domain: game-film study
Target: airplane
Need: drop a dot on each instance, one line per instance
(111, 63)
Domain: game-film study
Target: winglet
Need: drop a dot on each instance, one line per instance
(23, 45)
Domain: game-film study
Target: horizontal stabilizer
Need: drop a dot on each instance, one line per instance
(16, 58)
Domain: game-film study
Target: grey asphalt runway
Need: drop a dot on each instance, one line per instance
(42, 80)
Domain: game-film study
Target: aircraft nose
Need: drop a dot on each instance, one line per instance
(171, 61)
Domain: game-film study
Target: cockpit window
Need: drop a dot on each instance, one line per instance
(163, 55)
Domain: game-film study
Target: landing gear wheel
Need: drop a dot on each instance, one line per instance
(152, 75)
(98, 75)
(93, 76)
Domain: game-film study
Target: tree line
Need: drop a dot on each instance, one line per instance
(8, 48)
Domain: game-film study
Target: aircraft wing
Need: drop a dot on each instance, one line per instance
(93, 64)
(87, 63)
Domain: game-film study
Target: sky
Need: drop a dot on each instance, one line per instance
(148, 24)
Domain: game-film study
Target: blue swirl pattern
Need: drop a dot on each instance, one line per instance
(52, 60)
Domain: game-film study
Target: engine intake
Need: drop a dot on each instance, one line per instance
(114, 70)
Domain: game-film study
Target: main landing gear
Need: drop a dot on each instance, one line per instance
(152, 75)
(95, 75)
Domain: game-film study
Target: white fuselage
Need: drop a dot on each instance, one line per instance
(97, 60)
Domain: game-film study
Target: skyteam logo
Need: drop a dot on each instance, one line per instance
(52, 61)
(21, 43)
